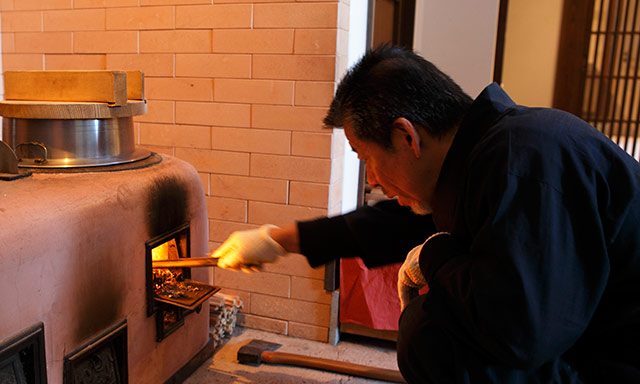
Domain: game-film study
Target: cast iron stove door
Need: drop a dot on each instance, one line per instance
(171, 294)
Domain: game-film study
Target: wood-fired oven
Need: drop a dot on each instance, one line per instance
(80, 302)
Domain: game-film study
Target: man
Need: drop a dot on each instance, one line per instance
(525, 226)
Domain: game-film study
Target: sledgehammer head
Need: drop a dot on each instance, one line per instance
(251, 353)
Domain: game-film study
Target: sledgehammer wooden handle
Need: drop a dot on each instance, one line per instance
(332, 365)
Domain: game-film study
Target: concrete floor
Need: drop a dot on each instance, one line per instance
(224, 367)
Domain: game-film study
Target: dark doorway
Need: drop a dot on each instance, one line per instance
(391, 21)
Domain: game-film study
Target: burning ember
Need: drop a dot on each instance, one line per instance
(170, 285)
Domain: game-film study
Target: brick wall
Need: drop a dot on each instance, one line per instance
(238, 89)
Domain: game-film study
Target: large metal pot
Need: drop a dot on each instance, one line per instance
(65, 143)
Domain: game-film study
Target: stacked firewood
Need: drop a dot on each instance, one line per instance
(224, 310)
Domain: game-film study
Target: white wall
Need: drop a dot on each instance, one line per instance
(531, 51)
(459, 37)
(357, 48)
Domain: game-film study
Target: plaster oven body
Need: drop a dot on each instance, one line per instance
(73, 259)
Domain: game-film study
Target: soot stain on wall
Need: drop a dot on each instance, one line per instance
(167, 205)
(98, 291)
(102, 310)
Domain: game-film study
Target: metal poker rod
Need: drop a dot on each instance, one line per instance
(187, 262)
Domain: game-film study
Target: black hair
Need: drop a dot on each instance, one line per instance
(389, 82)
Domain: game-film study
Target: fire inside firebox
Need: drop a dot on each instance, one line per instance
(171, 286)
(172, 295)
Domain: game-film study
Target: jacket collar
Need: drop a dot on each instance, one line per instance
(489, 107)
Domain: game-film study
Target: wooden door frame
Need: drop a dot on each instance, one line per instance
(498, 61)
(573, 51)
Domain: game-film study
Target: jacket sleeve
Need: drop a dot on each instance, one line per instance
(526, 284)
(381, 234)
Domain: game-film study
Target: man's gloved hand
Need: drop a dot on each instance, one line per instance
(410, 278)
(248, 250)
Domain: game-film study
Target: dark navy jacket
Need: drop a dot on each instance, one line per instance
(544, 257)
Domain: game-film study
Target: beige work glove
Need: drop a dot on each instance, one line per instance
(410, 278)
(248, 250)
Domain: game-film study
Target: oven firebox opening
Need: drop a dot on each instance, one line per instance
(171, 294)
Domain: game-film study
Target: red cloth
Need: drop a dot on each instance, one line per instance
(369, 297)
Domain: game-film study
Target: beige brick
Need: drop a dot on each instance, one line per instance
(295, 265)
(158, 149)
(287, 117)
(180, 41)
(253, 91)
(103, 3)
(262, 323)
(308, 194)
(222, 208)
(306, 289)
(294, 67)
(20, 5)
(8, 42)
(22, 62)
(309, 332)
(174, 2)
(213, 65)
(244, 296)
(295, 15)
(23, 21)
(189, 136)
(152, 64)
(266, 283)
(315, 41)
(219, 231)
(105, 42)
(213, 245)
(225, 114)
(250, 188)
(313, 93)
(74, 62)
(188, 89)
(204, 179)
(280, 214)
(250, 1)
(251, 140)
(205, 160)
(135, 18)
(214, 16)
(74, 20)
(43, 42)
(311, 144)
(253, 41)
(290, 167)
(158, 111)
(288, 309)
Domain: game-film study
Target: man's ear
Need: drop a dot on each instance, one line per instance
(408, 135)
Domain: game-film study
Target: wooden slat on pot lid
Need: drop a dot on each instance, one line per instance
(73, 94)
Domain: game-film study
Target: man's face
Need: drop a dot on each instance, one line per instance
(400, 173)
